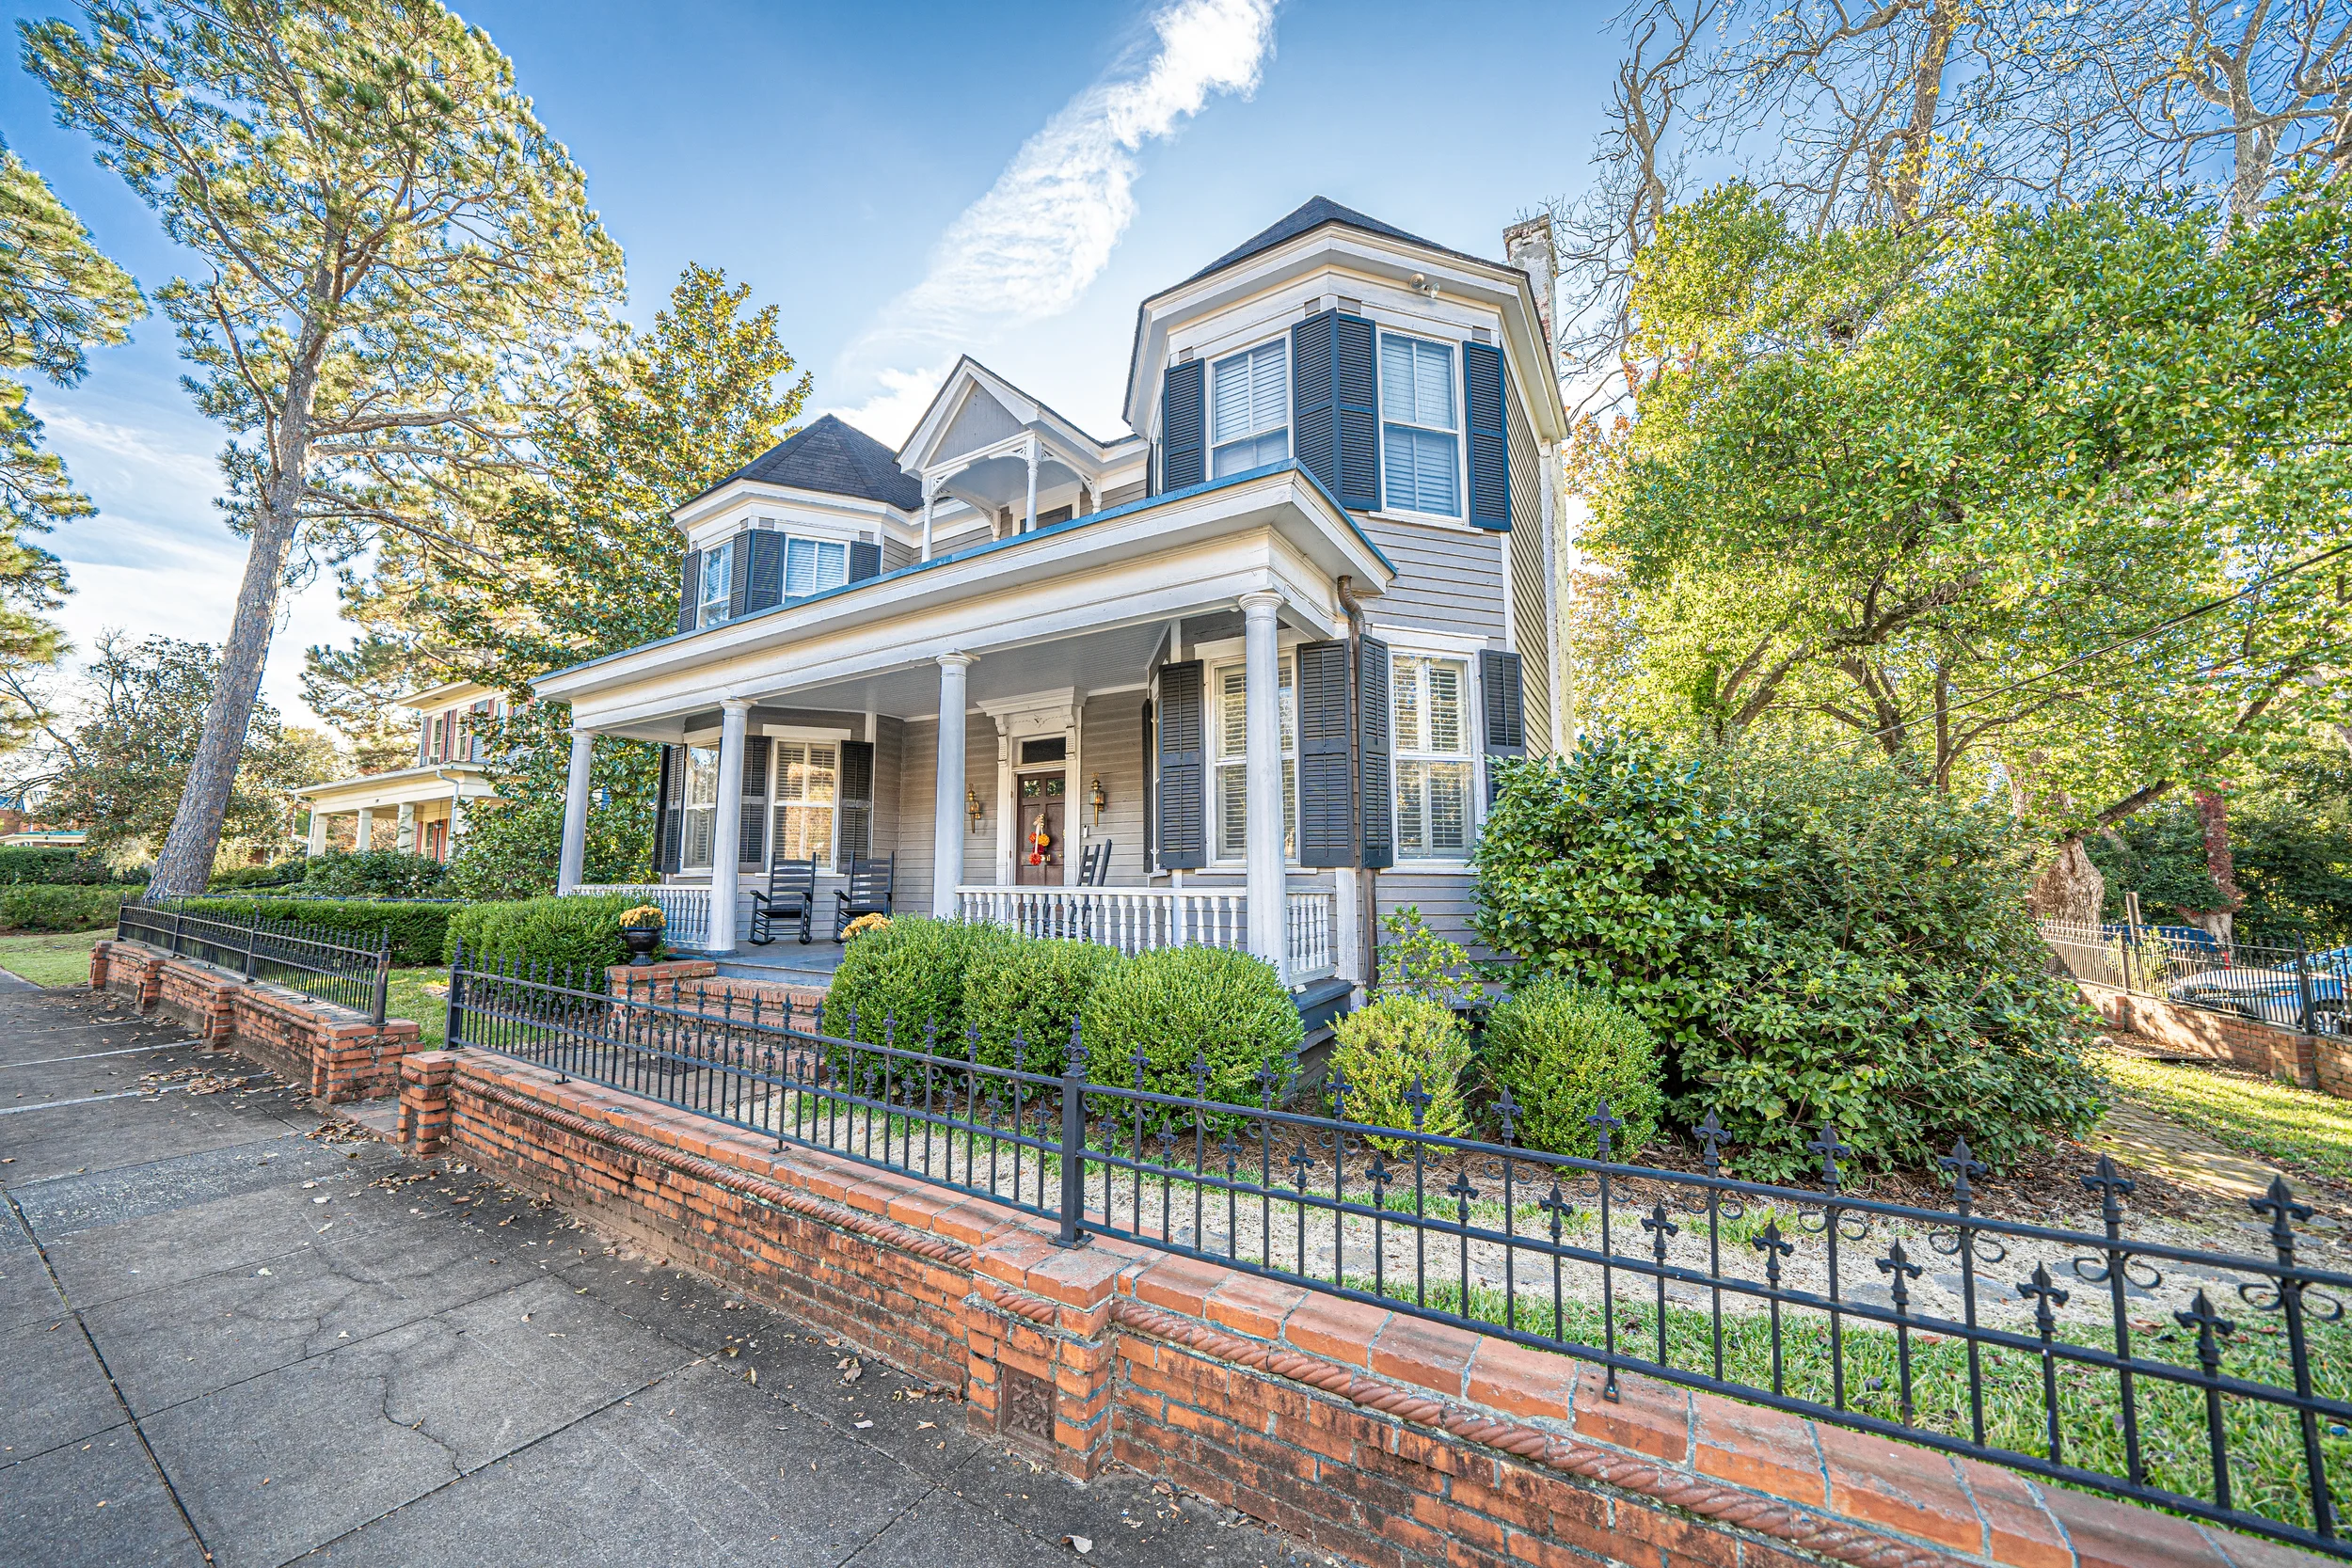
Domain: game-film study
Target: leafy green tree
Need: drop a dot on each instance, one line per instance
(356, 690)
(396, 257)
(510, 846)
(1932, 488)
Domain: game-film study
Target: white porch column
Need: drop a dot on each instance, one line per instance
(318, 831)
(568, 869)
(404, 829)
(948, 811)
(456, 815)
(1030, 525)
(1347, 925)
(726, 838)
(1263, 769)
(365, 841)
(930, 504)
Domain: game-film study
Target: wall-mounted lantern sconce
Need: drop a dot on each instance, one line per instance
(1096, 799)
(972, 808)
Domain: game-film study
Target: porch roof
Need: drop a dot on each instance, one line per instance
(434, 780)
(1111, 573)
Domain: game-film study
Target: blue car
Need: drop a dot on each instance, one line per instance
(2270, 992)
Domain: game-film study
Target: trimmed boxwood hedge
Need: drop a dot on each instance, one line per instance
(417, 930)
(908, 973)
(1178, 1003)
(581, 933)
(1035, 987)
(37, 907)
(1563, 1049)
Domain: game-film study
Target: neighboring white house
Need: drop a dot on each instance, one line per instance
(1265, 646)
(420, 809)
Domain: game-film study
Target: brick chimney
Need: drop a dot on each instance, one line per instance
(1527, 245)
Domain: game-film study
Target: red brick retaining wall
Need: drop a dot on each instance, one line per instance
(2314, 1061)
(336, 1054)
(1375, 1435)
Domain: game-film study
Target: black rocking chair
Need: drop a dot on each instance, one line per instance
(868, 893)
(791, 896)
(1095, 864)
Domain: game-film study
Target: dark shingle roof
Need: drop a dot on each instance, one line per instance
(1313, 214)
(837, 459)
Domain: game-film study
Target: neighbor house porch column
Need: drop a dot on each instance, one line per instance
(365, 840)
(726, 838)
(948, 811)
(1262, 712)
(404, 829)
(570, 863)
(318, 831)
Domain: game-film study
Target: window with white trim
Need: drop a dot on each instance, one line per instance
(1419, 448)
(1230, 692)
(803, 789)
(701, 808)
(1250, 409)
(1429, 702)
(718, 582)
(813, 565)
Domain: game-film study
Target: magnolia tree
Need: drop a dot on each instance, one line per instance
(396, 257)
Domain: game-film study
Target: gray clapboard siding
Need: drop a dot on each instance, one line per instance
(1121, 495)
(1532, 624)
(979, 421)
(1445, 899)
(1110, 748)
(1446, 579)
(918, 762)
(894, 555)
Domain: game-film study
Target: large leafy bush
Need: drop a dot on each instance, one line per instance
(39, 907)
(1813, 939)
(578, 936)
(1178, 1004)
(384, 873)
(1563, 1050)
(1035, 987)
(56, 865)
(907, 975)
(418, 931)
(1381, 1052)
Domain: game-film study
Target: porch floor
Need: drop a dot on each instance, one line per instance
(784, 960)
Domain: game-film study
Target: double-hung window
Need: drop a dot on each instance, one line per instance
(1429, 699)
(806, 780)
(813, 565)
(1231, 693)
(718, 582)
(1420, 442)
(1250, 409)
(701, 808)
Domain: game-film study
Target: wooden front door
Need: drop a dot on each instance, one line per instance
(1037, 842)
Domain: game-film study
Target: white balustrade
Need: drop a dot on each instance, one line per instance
(1140, 919)
(684, 907)
(1308, 932)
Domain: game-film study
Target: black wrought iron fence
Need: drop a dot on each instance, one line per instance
(317, 961)
(2276, 982)
(2138, 1361)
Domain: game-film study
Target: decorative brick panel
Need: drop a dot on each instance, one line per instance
(1373, 1435)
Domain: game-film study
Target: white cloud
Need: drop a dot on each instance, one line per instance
(1029, 248)
(890, 414)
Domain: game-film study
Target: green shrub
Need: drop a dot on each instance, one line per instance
(1179, 1003)
(1814, 938)
(1380, 1052)
(385, 873)
(1034, 986)
(580, 934)
(1563, 1050)
(36, 907)
(417, 930)
(56, 866)
(240, 878)
(908, 973)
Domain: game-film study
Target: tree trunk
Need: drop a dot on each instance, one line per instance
(1926, 89)
(186, 865)
(2068, 888)
(2213, 809)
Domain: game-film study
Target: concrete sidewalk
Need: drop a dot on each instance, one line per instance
(229, 1334)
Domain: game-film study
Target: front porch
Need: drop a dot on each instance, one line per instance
(1015, 711)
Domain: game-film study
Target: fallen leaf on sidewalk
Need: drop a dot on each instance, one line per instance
(1079, 1543)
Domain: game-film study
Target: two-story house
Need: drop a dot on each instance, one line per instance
(1249, 663)
(423, 804)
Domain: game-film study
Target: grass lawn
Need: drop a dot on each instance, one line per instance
(406, 997)
(51, 958)
(2299, 1129)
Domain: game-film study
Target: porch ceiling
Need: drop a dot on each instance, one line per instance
(1089, 661)
(1004, 480)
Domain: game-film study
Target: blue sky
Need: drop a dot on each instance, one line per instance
(905, 181)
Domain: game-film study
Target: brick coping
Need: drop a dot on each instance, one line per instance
(1439, 1392)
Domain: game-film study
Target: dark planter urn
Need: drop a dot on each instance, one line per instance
(640, 940)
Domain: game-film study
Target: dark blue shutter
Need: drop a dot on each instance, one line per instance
(1150, 745)
(689, 590)
(1501, 684)
(1355, 414)
(764, 573)
(1313, 436)
(857, 801)
(739, 584)
(670, 814)
(1183, 427)
(752, 842)
(865, 560)
(1327, 756)
(1489, 446)
(1183, 791)
(1376, 803)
